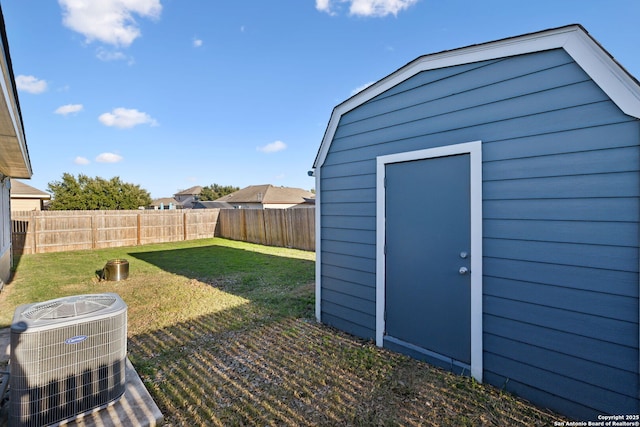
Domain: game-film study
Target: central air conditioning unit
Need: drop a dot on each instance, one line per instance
(68, 358)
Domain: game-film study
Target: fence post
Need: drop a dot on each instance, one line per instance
(34, 222)
(184, 226)
(94, 231)
(139, 228)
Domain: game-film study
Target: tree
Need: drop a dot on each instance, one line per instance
(97, 193)
(215, 191)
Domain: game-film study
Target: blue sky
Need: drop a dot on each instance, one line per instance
(168, 94)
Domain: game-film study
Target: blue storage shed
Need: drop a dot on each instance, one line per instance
(478, 208)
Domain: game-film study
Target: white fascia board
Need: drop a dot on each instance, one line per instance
(606, 72)
(588, 54)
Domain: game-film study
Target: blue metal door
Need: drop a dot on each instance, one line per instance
(427, 244)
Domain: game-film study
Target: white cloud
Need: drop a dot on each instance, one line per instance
(361, 88)
(31, 84)
(375, 8)
(323, 6)
(108, 158)
(125, 118)
(273, 147)
(110, 55)
(197, 42)
(81, 161)
(69, 109)
(108, 21)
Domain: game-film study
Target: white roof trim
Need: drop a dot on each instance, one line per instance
(621, 87)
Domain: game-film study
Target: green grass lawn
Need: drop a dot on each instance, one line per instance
(222, 333)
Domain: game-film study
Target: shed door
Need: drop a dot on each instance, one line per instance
(428, 290)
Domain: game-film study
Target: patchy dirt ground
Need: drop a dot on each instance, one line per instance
(295, 372)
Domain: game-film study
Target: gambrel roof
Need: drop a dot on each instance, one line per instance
(606, 72)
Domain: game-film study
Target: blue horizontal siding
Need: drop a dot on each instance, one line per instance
(344, 235)
(590, 279)
(561, 203)
(356, 317)
(349, 209)
(571, 140)
(438, 131)
(345, 325)
(349, 261)
(350, 222)
(572, 365)
(542, 397)
(620, 357)
(357, 167)
(352, 289)
(349, 196)
(623, 184)
(604, 329)
(352, 303)
(350, 182)
(581, 232)
(610, 257)
(349, 248)
(585, 209)
(348, 275)
(626, 159)
(597, 399)
(486, 81)
(570, 299)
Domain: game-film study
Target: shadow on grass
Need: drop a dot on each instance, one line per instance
(267, 362)
(235, 368)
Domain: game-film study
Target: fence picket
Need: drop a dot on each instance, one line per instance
(56, 231)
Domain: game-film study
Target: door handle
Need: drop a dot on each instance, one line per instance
(463, 270)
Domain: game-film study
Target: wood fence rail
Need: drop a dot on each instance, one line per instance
(56, 231)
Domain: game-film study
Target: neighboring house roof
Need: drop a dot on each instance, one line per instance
(20, 190)
(212, 204)
(165, 201)
(611, 77)
(14, 161)
(193, 191)
(267, 194)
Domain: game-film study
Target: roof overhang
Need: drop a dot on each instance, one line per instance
(14, 155)
(613, 79)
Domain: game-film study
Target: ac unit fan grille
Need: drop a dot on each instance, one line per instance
(69, 307)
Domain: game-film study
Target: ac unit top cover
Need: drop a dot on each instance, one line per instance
(66, 310)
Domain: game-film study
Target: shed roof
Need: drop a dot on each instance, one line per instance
(267, 193)
(606, 72)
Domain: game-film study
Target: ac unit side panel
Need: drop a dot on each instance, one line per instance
(60, 373)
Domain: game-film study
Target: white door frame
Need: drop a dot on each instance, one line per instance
(474, 149)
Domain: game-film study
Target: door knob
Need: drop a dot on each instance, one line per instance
(463, 270)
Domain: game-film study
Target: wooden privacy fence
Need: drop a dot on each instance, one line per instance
(291, 228)
(57, 231)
